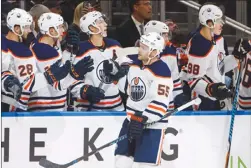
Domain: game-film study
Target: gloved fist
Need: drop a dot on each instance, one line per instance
(241, 48)
(136, 126)
(56, 72)
(92, 94)
(218, 90)
(113, 70)
(72, 39)
(12, 84)
(79, 70)
(182, 99)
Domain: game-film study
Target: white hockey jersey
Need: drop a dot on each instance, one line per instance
(245, 86)
(148, 89)
(50, 98)
(18, 60)
(170, 58)
(207, 63)
(112, 100)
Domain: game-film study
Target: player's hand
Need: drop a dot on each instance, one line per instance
(136, 126)
(12, 84)
(113, 70)
(218, 90)
(180, 100)
(72, 39)
(79, 70)
(56, 72)
(241, 48)
(92, 94)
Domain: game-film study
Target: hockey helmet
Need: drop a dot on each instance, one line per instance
(91, 19)
(49, 20)
(210, 13)
(19, 17)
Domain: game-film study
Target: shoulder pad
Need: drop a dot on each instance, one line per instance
(84, 47)
(168, 50)
(160, 69)
(4, 46)
(44, 52)
(19, 49)
(110, 42)
(200, 46)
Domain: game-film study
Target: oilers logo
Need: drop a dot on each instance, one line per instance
(137, 89)
(220, 62)
(101, 75)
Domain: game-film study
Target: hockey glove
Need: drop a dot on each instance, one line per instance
(79, 70)
(241, 48)
(56, 72)
(182, 99)
(92, 94)
(113, 70)
(72, 40)
(136, 126)
(218, 90)
(12, 84)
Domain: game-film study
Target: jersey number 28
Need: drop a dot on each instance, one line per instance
(25, 69)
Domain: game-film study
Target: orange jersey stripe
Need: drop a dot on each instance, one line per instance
(29, 83)
(101, 103)
(51, 102)
(157, 108)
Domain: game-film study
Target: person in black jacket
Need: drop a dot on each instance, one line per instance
(130, 31)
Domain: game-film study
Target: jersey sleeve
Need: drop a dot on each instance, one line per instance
(171, 61)
(160, 88)
(199, 61)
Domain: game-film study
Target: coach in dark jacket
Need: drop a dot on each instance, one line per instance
(131, 30)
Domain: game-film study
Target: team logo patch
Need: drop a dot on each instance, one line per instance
(137, 89)
(101, 75)
(220, 62)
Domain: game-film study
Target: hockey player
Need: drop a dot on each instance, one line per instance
(148, 84)
(207, 63)
(243, 47)
(19, 64)
(53, 98)
(99, 48)
(170, 58)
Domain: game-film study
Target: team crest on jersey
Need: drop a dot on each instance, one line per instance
(220, 62)
(137, 89)
(101, 75)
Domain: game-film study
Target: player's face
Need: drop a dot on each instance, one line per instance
(102, 25)
(165, 36)
(143, 52)
(218, 27)
(144, 9)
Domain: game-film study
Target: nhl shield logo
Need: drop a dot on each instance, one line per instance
(101, 75)
(137, 89)
(220, 62)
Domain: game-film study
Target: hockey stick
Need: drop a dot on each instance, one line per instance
(48, 164)
(234, 109)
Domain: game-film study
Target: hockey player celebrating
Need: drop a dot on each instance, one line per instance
(243, 49)
(99, 48)
(207, 63)
(19, 63)
(170, 58)
(148, 83)
(53, 98)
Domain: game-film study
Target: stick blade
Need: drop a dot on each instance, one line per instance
(48, 164)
